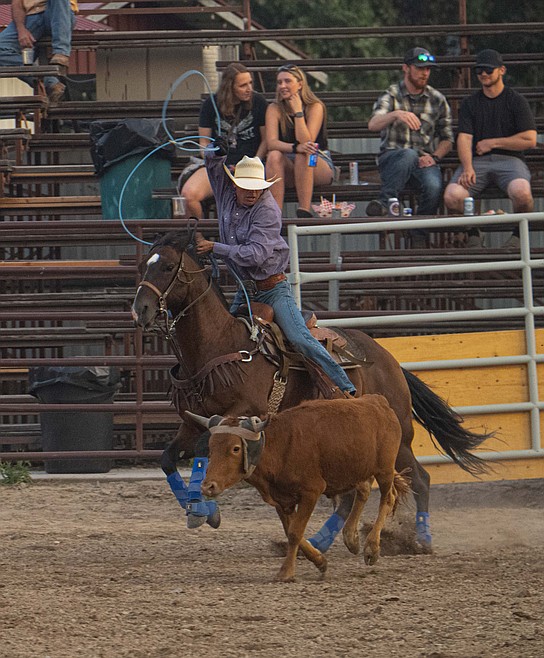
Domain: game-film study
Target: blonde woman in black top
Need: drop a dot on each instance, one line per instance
(295, 130)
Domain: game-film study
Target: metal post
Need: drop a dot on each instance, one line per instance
(530, 337)
(294, 267)
(335, 258)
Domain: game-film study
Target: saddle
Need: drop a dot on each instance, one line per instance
(278, 350)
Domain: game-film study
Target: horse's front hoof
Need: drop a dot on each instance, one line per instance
(194, 521)
(285, 578)
(214, 519)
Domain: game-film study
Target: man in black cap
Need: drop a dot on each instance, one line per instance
(414, 120)
(496, 126)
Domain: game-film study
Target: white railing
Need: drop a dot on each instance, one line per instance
(528, 310)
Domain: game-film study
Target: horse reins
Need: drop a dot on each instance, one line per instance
(169, 326)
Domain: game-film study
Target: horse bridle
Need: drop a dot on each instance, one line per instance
(169, 326)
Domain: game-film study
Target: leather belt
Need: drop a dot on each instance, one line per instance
(270, 282)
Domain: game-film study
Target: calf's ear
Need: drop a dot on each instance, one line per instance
(253, 424)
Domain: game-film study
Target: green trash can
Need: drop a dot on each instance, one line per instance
(153, 173)
(119, 150)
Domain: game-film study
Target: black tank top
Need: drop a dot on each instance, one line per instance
(289, 135)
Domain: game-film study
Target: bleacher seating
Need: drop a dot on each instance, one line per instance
(58, 306)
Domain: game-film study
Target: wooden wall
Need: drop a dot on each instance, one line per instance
(478, 386)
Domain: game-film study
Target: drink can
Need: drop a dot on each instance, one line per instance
(178, 206)
(354, 173)
(312, 160)
(468, 206)
(28, 56)
(407, 212)
(393, 206)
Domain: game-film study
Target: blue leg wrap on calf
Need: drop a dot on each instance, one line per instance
(423, 528)
(324, 538)
(179, 488)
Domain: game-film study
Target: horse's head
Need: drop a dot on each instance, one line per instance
(168, 272)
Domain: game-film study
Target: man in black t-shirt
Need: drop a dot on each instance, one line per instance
(496, 126)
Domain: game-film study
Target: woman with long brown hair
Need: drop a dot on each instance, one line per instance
(242, 118)
(296, 130)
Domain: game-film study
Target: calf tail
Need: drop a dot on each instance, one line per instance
(401, 488)
(446, 426)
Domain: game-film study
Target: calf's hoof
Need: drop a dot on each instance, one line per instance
(352, 541)
(285, 578)
(371, 554)
(322, 566)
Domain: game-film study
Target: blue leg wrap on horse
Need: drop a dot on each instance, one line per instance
(196, 504)
(179, 488)
(423, 528)
(324, 538)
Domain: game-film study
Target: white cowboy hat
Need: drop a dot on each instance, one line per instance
(249, 174)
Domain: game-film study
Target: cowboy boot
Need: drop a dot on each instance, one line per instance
(200, 511)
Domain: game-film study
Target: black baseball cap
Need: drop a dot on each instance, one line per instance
(489, 58)
(419, 57)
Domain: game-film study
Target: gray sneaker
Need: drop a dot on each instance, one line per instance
(474, 241)
(511, 243)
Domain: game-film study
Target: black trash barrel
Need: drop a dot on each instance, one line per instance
(75, 430)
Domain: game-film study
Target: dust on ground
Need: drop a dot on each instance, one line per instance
(108, 569)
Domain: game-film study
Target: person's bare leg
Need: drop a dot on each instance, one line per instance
(519, 191)
(277, 165)
(196, 189)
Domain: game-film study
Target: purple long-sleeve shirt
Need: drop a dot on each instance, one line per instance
(250, 237)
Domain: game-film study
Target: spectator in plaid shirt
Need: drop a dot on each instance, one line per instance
(414, 120)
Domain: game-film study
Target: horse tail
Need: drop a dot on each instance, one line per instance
(401, 488)
(446, 426)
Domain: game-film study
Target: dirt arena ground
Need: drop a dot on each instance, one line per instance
(108, 569)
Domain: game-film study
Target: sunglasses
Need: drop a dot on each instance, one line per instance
(423, 57)
(290, 68)
(488, 70)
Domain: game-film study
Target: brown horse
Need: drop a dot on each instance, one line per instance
(222, 371)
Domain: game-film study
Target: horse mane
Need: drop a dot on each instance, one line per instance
(184, 240)
(179, 240)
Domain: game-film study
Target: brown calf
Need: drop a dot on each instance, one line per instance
(320, 447)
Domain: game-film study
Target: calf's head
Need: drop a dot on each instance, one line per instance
(235, 447)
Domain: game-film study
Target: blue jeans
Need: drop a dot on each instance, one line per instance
(399, 169)
(289, 318)
(57, 21)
